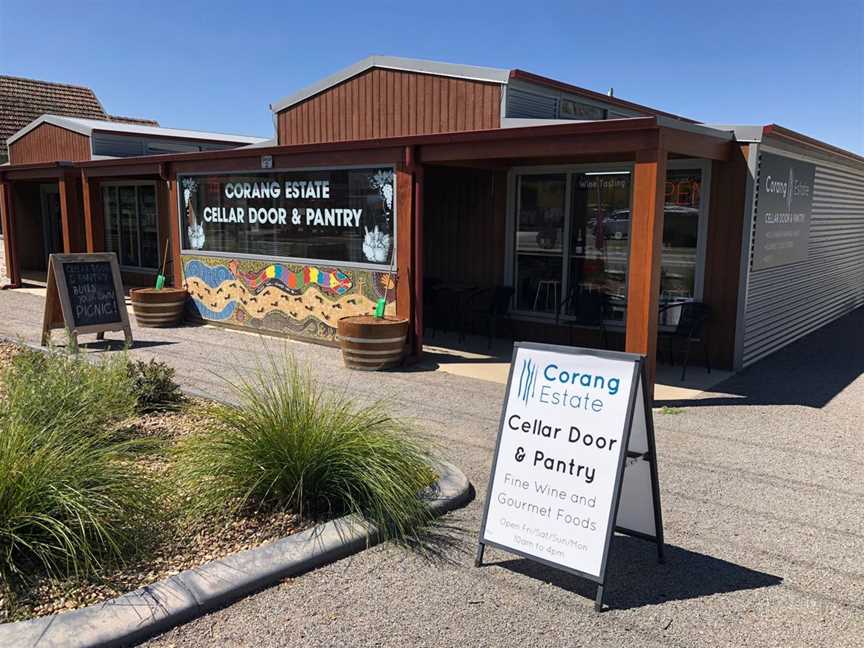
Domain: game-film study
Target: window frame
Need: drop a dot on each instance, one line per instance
(133, 183)
(570, 170)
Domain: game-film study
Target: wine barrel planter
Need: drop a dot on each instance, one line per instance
(158, 308)
(369, 343)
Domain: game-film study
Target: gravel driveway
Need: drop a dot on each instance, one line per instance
(762, 494)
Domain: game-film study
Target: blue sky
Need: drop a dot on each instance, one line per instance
(217, 65)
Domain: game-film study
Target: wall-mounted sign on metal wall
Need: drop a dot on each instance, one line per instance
(574, 461)
(784, 203)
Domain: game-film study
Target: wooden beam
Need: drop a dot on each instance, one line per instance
(646, 239)
(531, 146)
(362, 156)
(124, 170)
(404, 244)
(66, 211)
(48, 174)
(696, 145)
(89, 236)
(164, 218)
(13, 271)
(419, 177)
(174, 225)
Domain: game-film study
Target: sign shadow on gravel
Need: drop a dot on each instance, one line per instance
(119, 345)
(634, 579)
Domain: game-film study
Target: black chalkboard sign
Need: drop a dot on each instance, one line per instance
(91, 293)
(85, 295)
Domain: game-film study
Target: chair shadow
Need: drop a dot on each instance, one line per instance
(808, 372)
(635, 579)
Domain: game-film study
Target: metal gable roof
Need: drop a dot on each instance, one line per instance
(472, 72)
(87, 126)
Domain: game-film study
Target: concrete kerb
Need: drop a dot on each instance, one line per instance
(153, 609)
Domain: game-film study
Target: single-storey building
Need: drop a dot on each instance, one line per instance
(436, 186)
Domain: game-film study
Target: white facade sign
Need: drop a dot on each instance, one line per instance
(562, 457)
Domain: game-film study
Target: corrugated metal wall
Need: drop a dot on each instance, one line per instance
(787, 302)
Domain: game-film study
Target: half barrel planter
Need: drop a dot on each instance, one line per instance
(370, 344)
(160, 308)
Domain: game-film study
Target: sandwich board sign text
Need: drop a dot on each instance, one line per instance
(574, 461)
(85, 295)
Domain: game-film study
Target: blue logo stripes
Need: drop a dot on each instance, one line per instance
(527, 380)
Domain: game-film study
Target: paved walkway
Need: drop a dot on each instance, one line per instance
(762, 496)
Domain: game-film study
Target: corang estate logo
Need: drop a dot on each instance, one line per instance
(527, 380)
(564, 386)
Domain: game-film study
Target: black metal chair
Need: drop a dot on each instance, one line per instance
(492, 306)
(590, 308)
(690, 329)
(431, 307)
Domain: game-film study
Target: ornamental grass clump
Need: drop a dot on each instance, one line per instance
(289, 445)
(70, 498)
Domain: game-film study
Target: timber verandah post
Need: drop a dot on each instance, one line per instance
(174, 236)
(405, 296)
(69, 209)
(646, 239)
(7, 219)
(417, 176)
(87, 206)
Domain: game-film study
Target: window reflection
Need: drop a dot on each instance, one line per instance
(131, 227)
(680, 235)
(540, 242)
(597, 248)
(600, 239)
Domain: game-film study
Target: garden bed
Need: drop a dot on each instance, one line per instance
(180, 545)
(182, 526)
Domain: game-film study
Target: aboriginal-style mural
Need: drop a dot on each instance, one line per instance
(296, 299)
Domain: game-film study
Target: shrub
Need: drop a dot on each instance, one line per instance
(70, 499)
(66, 392)
(290, 446)
(154, 386)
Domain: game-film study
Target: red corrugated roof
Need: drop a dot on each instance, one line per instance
(23, 100)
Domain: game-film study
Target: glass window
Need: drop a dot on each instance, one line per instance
(680, 235)
(540, 242)
(569, 109)
(128, 217)
(112, 223)
(148, 226)
(593, 235)
(600, 239)
(131, 224)
(339, 215)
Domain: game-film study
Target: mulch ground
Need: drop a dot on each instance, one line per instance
(181, 545)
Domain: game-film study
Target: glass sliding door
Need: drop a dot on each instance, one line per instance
(540, 242)
(681, 234)
(131, 224)
(148, 226)
(573, 239)
(600, 239)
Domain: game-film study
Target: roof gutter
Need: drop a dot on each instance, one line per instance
(775, 130)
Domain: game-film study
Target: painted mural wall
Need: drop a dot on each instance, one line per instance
(299, 300)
